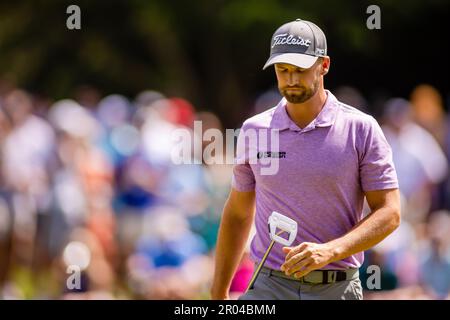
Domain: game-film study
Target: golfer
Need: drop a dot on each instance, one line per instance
(330, 157)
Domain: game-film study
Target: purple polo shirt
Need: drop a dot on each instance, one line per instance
(323, 171)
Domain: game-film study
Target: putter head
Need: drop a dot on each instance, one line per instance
(277, 220)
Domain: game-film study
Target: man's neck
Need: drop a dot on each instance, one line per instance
(303, 113)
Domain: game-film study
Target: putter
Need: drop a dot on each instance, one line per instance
(285, 224)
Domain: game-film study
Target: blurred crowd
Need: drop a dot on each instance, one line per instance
(90, 182)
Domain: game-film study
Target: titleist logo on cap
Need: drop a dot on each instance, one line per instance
(284, 38)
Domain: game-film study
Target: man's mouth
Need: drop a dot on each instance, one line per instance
(294, 88)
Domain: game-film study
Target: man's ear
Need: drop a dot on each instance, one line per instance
(325, 65)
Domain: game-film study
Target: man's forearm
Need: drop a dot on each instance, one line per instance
(233, 235)
(366, 234)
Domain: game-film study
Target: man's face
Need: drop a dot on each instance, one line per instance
(298, 85)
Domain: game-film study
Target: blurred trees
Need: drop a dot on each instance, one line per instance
(211, 51)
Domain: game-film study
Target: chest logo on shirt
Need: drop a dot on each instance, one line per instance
(271, 154)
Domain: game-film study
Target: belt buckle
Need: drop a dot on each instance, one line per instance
(330, 276)
(304, 281)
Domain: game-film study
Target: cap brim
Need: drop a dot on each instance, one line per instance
(304, 61)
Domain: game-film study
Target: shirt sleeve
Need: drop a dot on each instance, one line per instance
(377, 170)
(243, 178)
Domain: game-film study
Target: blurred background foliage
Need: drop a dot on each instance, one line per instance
(211, 51)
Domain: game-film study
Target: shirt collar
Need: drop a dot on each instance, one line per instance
(325, 118)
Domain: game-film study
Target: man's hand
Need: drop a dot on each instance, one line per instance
(306, 257)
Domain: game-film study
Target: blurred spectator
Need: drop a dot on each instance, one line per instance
(352, 97)
(420, 162)
(435, 270)
(266, 100)
(435, 257)
(428, 111)
(26, 157)
(87, 96)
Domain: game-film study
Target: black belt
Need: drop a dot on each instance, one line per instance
(317, 276)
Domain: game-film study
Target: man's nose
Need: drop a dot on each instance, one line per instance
(293, 79)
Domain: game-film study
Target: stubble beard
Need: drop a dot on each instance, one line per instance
(300, 96)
